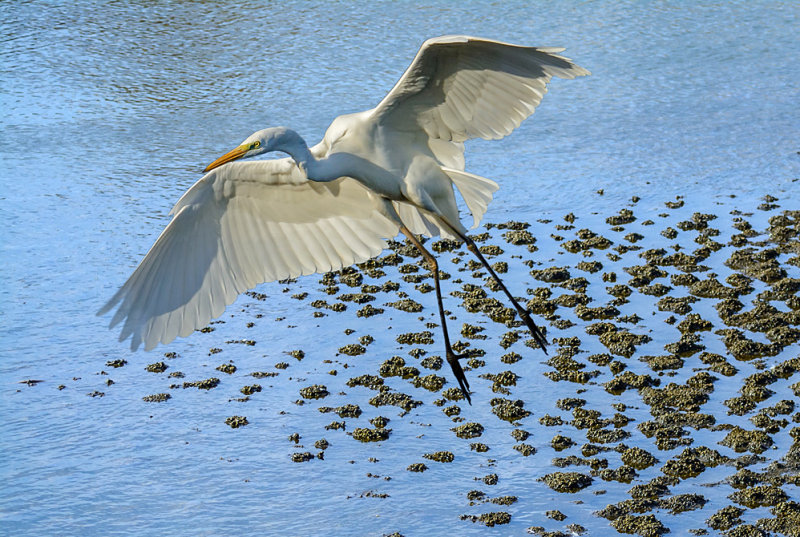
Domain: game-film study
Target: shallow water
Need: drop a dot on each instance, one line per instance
(110, 113)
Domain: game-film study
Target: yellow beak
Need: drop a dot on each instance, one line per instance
(228, 157)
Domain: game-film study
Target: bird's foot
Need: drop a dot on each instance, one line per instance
(458, 372)
(537, 334)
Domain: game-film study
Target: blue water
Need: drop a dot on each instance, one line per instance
(111, 110)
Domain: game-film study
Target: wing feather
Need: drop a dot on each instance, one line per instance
(327, 246)
(249, 254)
(317, 251)
(300, 247)
(335, 240)
(357, 245)
(461, 87)
(279, 267)
(242, 224)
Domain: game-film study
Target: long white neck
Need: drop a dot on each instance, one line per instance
(336, 165)
(321, 170)
(294, 145)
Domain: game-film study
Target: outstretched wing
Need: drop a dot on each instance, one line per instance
(461, 87)
(240, 225)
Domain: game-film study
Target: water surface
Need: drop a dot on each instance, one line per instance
(111, 110)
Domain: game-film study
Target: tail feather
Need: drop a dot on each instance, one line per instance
(477, 191)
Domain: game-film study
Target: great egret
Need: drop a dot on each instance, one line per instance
(374, 173)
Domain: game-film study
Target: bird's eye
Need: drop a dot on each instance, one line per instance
(255, 145)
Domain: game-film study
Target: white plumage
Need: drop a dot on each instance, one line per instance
(238, 226)
(375, 173)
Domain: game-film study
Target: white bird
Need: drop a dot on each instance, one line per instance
(375, 173)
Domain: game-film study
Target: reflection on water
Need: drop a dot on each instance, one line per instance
(111, 110)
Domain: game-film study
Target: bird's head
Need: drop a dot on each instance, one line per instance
(263, 141)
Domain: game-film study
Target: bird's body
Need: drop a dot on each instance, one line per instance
(375, 173)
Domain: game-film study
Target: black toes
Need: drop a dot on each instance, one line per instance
(458, 372)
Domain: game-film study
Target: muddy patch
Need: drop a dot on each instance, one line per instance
(670, 384)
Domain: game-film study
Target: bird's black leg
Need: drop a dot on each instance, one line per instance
(452, 357)
(524, 314)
